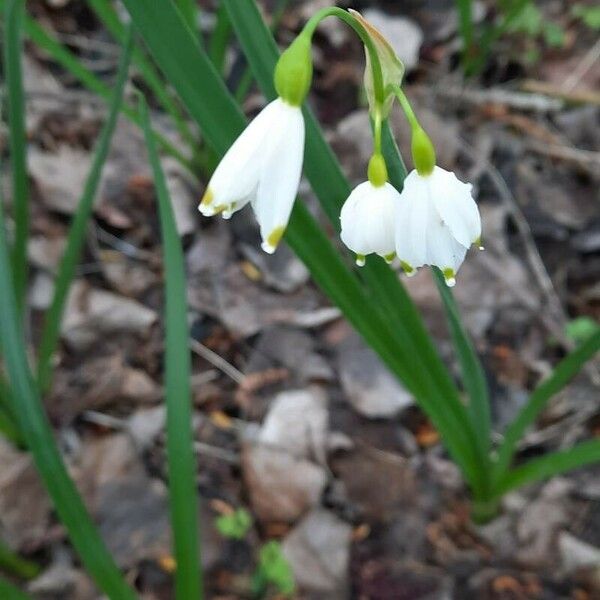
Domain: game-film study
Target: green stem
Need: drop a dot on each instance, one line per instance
(345, 16)
(395, 89)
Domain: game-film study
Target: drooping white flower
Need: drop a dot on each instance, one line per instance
(437, 220)
(367, 220)
(263, 167)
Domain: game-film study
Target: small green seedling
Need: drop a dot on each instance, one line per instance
(273, 570)
(234, 525)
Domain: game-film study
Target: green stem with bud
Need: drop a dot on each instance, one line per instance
(333, 11)
(423, 152)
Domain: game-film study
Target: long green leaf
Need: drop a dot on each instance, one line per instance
(221, 120)
(439, 398)
(13, 22)
(10, 592)
(219, 39)
(37, 432)
(549, 465)
(110, 19)
(183, 495)
(472, 370)
(562, 374)
(77, 231)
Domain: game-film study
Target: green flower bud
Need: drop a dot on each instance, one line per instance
(293, 73)
(423, 151)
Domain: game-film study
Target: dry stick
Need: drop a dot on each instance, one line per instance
(586, 63)
(217, 361)
(574, 97)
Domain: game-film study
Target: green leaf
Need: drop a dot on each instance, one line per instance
(274, 569)
(38, 435)
(183, 495)
(473, 374)
(581, 329)
(13, 48)
(234, 525)
(77, 231)
(221, 121)
(562, 374)
(549, 465)
(418, 363)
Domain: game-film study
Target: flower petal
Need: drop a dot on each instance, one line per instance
(236, 176)
(443, 250)
(283, 153)
(455, 205)
(411, 221)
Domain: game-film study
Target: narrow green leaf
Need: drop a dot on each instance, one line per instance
(188, 11)
(13, 47)
(110, 19)
(549, 465)
(219, 40)
(183, 496)
(38, 435)
(472, 371)
(14, 564)
(177, 54)
(26, 406)
(10, 592)
(562, 374)
(465, 25)
(77, 231)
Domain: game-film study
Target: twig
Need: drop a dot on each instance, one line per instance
(217, 361)
(572, 97)
(587, 62)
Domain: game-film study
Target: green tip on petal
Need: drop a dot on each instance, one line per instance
(479, 243)
(272, 241)
(450, 277)
(360, 260)
(410, 271)
(207, 198)
(389, 258)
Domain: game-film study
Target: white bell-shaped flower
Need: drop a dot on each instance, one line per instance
(367, 220)
(437, 220)
(263, 167)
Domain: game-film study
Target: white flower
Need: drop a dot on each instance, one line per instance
(437, 220)
(367, 220)
(262, 167)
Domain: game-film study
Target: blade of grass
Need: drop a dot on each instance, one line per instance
(465, 26)
(188, 10)
(16, 565)
(13, 24)
(560, 377)
(110, 19)
(549, 465)
(10, 592)
(77, 231)
(472, 371)
(219, 39)
(183, 496)
(40, 37)
(38, 435)
(221, 121)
